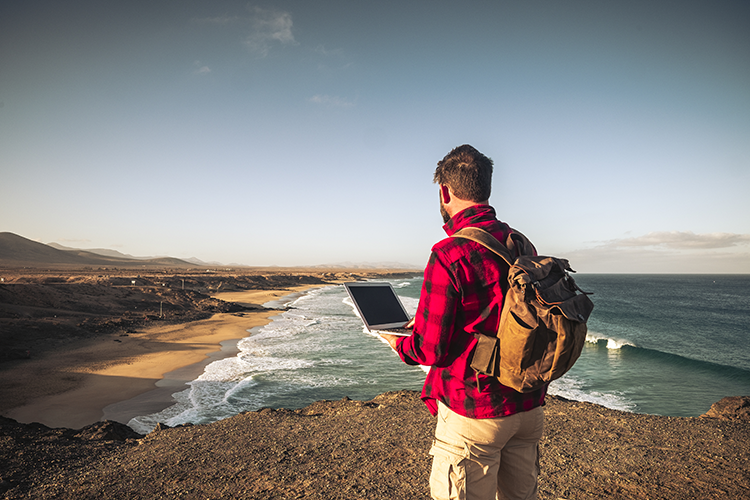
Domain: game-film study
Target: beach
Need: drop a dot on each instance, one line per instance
(103, 376)
(111, 370)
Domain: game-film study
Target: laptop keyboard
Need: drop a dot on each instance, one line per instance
(402, 331)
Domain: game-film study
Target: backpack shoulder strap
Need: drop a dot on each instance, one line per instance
(486, 240)
(515, 245)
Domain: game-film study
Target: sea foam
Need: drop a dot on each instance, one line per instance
(571, 388)
(611, 343)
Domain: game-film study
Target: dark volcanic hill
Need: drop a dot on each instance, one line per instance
(17, 251)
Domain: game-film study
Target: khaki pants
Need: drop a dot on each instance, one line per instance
(477, 459)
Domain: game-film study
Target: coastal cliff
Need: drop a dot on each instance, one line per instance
(374, 449)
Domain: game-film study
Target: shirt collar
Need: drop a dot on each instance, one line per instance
(469, 217)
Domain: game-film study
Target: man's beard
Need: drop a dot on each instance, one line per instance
(444, 212)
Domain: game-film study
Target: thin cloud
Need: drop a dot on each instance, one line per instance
(666, 252)
(649, 260)
(200, 69)
(682, 240)
(267, 27)
(331, 59)
(323, 51)
(331, 101)
(221, 20)
(263, 28)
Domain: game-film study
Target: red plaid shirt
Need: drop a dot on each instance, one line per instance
(462, 294)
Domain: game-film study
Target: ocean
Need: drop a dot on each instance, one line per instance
(657, 344)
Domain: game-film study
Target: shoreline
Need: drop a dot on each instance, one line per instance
(160, 397)
(98, 383)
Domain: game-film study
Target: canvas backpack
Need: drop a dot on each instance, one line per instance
(543, 320)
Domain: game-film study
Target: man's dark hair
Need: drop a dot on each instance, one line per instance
(467, 172)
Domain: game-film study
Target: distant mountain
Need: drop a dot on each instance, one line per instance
(98, 251)
(200, 263)
(114, 253)
(17, 251)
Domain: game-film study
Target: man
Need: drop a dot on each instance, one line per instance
(487, 435)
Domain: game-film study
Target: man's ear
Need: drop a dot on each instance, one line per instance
(445, 194)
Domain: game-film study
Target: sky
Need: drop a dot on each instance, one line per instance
(297, 133)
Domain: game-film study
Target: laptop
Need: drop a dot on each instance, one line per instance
(379, 307)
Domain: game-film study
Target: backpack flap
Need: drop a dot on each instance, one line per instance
(578, 308)
(538, 269)
(552, 287)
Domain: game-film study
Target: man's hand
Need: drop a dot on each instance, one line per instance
(391, 339)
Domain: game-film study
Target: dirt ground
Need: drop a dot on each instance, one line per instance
(376, 449)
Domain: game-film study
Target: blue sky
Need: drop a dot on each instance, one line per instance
(304, 133)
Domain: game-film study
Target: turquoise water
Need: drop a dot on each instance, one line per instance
(666, 345)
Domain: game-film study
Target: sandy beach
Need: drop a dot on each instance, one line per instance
(117, 380)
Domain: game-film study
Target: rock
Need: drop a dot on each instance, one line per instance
(730, 408)
(108, 431)
(160, 426)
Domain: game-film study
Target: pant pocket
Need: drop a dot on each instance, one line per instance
(448, 477)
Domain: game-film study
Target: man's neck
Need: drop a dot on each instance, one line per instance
(458, 206)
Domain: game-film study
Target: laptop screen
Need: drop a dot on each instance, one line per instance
(377, 303)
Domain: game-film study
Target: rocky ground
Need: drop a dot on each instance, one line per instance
(376, 449)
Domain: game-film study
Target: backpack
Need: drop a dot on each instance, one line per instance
(543, 320)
